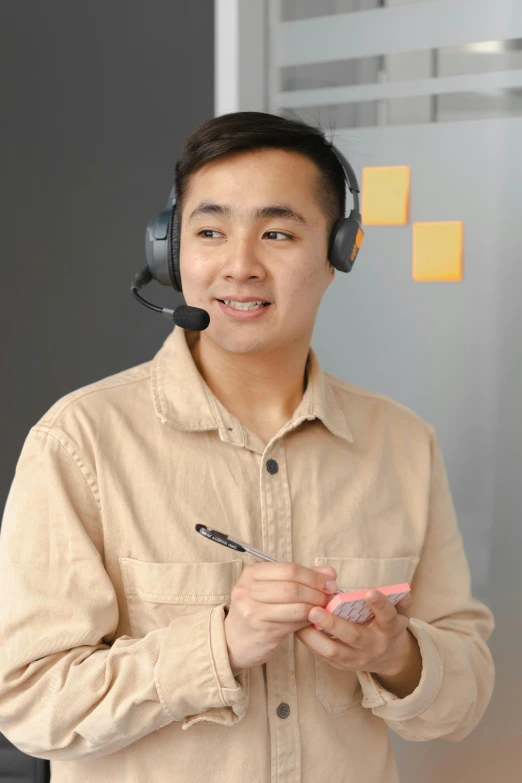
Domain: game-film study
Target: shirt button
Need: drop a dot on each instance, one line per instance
(272, 466)
(283, 710)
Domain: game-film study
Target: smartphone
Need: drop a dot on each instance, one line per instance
(353, 607)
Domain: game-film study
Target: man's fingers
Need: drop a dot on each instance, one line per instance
(331, 572)
(383, 609)
(404, 605)
(272, 592)
(345, 631)
(290, 572)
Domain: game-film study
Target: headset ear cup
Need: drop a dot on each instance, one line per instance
(344, 243)
(173, 250)
(333, 249)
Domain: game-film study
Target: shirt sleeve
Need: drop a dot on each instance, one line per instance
(68, 688)
(451, 628)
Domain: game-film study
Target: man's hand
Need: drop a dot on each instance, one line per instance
(269, 602)
(382, 646)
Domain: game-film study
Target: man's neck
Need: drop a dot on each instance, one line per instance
(259, 389)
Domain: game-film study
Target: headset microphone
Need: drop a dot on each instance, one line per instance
(162, 251)
(194, 319)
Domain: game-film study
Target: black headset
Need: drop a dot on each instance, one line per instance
(162, 250)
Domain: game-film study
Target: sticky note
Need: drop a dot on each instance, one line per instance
(352, 606)
(437, 251)
(385, 195)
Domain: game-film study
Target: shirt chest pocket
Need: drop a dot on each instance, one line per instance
(157, 593)
(338, 689)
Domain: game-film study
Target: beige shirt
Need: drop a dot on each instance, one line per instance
(113, 656)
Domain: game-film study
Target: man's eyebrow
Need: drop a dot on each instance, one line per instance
(270, 211)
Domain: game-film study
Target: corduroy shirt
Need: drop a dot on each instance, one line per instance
(113, 655)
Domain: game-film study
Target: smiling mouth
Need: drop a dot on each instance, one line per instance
(264, 304)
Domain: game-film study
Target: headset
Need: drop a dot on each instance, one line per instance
(162, 251)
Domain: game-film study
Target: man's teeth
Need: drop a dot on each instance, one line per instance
(244, 305)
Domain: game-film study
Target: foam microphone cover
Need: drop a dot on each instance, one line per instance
(192, 318)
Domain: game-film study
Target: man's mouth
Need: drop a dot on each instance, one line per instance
(244, 305)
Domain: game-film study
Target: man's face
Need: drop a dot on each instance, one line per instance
(251, 226)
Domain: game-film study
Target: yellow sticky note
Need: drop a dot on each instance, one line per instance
(384, 195)
(437, 251)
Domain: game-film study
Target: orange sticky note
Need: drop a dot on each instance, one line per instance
(384, 195)
(437, 251)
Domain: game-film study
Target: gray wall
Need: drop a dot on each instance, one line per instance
(97, 98)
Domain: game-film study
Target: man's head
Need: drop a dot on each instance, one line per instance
(258, 196)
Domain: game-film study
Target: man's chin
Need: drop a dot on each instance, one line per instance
(240, 345)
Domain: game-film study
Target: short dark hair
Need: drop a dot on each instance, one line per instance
(244, 131)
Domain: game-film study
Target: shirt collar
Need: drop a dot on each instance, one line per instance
(183, 399)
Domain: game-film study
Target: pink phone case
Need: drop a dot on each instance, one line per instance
(353, 607)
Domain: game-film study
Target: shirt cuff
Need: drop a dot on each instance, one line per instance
(389, 706)
(193, 675)
(234, 695)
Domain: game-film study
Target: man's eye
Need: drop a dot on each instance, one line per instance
(281, 234)
(205, 231)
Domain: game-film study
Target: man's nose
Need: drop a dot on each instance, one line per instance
(243, 260)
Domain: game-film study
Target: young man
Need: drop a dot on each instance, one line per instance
(134, 649)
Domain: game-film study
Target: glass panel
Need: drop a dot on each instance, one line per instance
(294, 10)
(476, 105)
(338, 73)
(408, 111)
(483, 57)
